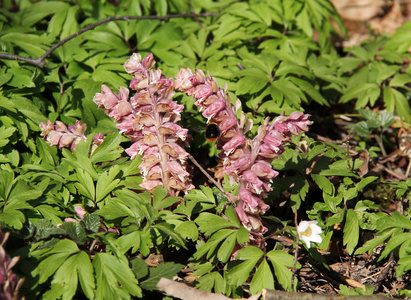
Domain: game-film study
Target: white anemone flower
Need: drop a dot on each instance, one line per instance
(309, 231)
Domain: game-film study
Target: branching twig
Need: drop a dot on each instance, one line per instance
(40, 60)
(194, 13)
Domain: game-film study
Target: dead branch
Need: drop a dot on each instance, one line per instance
(185, 292)
(281, 295)
(39, 62)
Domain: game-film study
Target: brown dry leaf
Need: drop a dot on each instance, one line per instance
(390, 22)
(379, 15)
(358, 10)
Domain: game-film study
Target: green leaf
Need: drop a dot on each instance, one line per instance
(169, 231)
(351, 231)
(210, 247)
(188, 230)
(85, 184)
(394, 242)
(366, 181)
(106, 183)
(205, 195)
(58, 254)
(139, 267)
(161, 203)
(114, 279)
(262, 279)
(396, 220)
(211, 281)
(166, 270)
(400, 80)
(91, 222)
(85, 274)
(232, 216)
(240, 273)
(395, 100)
(226, 249)
(353, 92)
(280, 261)
(254, 80)
(210, 223)
(323, 183)
(75, 231)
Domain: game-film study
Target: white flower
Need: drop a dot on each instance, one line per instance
(309, 231)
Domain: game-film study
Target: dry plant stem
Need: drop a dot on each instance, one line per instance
(39, 62)
(185, 292)
(217, 184)
(400, 177)
(194, 13)
(281, 295)
(297, 240)
(378, 138)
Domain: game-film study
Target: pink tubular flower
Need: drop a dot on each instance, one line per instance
(150, 119)
(60, 135)
(246, 162)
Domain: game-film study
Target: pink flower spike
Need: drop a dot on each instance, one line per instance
(232, 144)
(46, 128)
(253, 180)
(150, 184)
(148, 61)
(226, 124)
(213, 109)
(70, 220)
(133, 64)
(263, 169)
(178, 170)
(66, 140)
(80, 211)
(54, 138)
(242, 216)
(202, 92)
(248, 198)
(60, 127)
(124, 108)
(79, 129)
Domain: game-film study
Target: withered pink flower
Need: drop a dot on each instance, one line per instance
(246, 162)
(150, 119)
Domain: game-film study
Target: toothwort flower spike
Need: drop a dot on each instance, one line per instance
(150, 119)
(309, 231)
(246, 162)
(62, 136)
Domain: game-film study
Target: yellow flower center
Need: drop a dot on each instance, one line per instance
(307, 232)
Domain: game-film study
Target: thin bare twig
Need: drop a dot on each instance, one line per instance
(217, 184)
(194, 13)
(40, 60)
(297, 240)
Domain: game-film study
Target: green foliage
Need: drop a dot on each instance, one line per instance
(266, 52)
